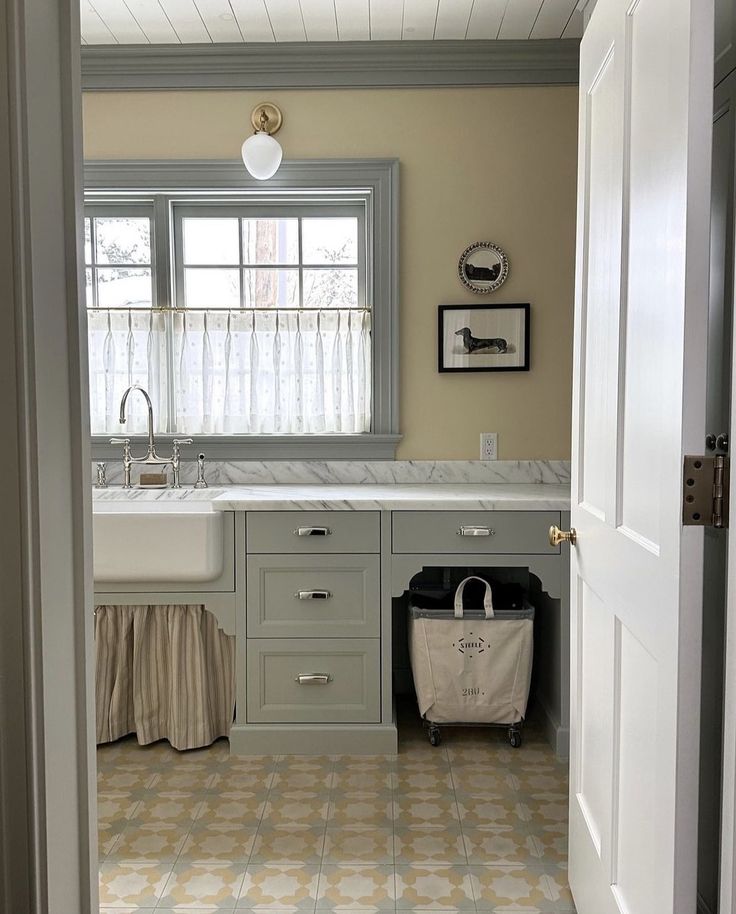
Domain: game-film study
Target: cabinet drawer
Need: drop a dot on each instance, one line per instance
(452, 531)
(328, 681)
(314, 531)
(313, 596)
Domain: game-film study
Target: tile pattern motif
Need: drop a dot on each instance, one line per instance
(472, 825)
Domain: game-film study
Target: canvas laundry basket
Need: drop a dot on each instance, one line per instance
(472, 666)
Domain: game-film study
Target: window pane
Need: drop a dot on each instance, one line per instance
(330, 240)
(119, 288)
(123, 239)
(87, 241)
(210, 240)
(211, 288)
(270, 241)
(88, 283)
(331, 288)
(271, 288)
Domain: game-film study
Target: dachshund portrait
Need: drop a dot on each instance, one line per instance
(477, 344)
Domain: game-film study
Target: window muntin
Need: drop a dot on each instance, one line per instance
(262, 324)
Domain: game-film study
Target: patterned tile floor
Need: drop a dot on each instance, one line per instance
(470, 826)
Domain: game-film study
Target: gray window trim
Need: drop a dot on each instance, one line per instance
(376, 180)
(373, 446)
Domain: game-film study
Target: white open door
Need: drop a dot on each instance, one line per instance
(646, 74)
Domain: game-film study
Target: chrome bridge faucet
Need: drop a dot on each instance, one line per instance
(151, 458)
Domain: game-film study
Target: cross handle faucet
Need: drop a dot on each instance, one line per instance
(151, 457)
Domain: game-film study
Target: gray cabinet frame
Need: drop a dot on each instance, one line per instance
(396, 572)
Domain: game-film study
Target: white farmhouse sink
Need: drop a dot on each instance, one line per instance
(176, 538)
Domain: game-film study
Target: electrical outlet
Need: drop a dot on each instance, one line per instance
(489, 445)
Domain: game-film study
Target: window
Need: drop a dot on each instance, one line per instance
(126, 333)
(306, 259)
(273, 331)
(263, 322)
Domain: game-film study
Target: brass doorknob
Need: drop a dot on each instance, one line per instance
(557, 536)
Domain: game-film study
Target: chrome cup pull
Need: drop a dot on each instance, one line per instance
(475, 531)
(312, 531)
(313, 595)
(313, 678)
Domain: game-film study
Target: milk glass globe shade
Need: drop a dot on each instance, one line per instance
(261, 155)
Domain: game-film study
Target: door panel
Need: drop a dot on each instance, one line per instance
(648, 176)
(595, 654)
(639, 394)
(603, 182)
(635, 825)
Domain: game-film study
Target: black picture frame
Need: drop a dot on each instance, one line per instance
(445, 313)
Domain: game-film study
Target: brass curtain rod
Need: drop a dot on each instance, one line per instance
(224, 310)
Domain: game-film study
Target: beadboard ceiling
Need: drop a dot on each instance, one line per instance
(127, 22)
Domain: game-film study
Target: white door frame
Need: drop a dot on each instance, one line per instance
(728, 820)
(48, 858)
(727, 901)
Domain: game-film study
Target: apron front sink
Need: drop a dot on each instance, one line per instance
(171, 539)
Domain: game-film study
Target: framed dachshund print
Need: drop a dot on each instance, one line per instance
(483, 337)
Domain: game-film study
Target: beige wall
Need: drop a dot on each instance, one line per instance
(476, 164)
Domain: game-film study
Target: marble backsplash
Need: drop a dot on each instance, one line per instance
(356, 472)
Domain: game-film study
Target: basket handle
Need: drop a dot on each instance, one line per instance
(487, 597)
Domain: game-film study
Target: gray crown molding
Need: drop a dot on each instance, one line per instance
(321, 65)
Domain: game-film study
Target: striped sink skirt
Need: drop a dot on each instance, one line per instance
(163, 672)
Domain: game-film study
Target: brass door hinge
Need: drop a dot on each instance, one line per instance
(705, 491)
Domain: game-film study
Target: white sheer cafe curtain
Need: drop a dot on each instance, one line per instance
(233, 372)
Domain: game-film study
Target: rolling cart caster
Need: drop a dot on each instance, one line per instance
(514, 737)
(434, 736)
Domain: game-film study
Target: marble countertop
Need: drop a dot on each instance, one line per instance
(346, 497)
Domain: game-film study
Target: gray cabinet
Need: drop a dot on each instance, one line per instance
(315, 630)
(330, 596)
(473, 532)
(331, 680)
(313, 621)
(316, 532)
